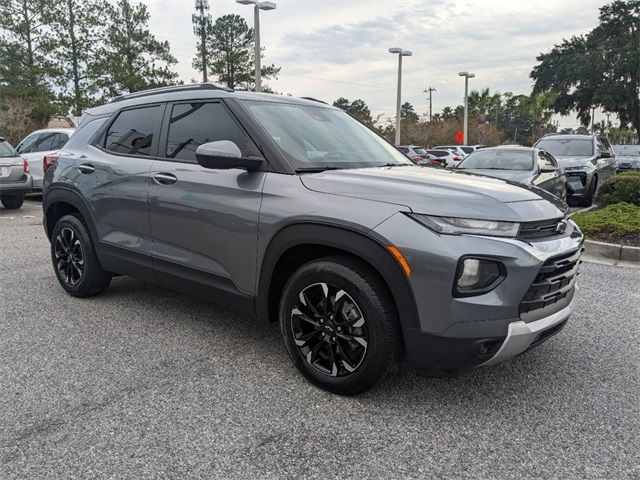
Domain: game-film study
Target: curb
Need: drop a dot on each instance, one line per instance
(611, 254)
(585, 209)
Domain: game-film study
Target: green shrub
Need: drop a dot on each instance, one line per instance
(624, 187)
(617, 220)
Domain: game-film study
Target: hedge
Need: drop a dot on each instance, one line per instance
(616, 220)
(624, 187)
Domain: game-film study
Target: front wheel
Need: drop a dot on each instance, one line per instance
(12, 201)
(339, 325)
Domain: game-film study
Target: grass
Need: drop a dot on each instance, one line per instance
(616, 220)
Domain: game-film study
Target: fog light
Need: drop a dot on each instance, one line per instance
(477, 275)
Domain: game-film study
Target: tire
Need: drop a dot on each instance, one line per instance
(587, 200)
(74, 259)
(12, 201)
(354, 343)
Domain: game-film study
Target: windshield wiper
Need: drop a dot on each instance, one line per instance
(315, 169)
(395, 165)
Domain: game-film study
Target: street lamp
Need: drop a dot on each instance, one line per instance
(257, 6)
(466, 76)
(401, 53)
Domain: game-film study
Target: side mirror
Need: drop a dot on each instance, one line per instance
(605, 155)
(547, 169)
(225, 155)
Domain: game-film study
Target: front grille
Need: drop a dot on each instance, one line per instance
(554, 282)
(545, 228)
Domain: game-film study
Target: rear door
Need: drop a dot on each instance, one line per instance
(204, 222)
(117, 169)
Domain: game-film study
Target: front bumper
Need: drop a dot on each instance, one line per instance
(459, 333)
(522, 336)
(577, 184)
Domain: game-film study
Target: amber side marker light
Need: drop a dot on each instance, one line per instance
(400, 259)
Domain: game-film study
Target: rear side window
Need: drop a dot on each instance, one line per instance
(40, 142)
(193, 124)
(133, 131)
(6, 150)
(84, 134)
(403, 149)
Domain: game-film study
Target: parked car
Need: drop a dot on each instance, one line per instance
(450, 159)
(529, 166)
(15, 180)
(416, 154)
(628, 157)
(358, 253)
(38, 144)
(586, 160)
(460, 150)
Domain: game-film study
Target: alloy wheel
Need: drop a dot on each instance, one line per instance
(329, 329)
(69, 256)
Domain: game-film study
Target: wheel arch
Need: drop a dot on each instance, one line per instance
(300, 243)
(63, 201)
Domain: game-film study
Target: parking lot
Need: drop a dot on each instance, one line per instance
(141, 382)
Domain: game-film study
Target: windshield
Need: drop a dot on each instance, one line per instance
(498, 160)
(316, 137)
(567, 147)
(6, 150)
(627, 150)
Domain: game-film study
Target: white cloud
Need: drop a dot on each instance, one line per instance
(335, 48)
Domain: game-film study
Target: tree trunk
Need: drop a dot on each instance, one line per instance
(77, 91)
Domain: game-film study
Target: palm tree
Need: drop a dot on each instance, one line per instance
(540, 107)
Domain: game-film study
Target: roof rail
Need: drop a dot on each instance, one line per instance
(171, 89)
(314, 100)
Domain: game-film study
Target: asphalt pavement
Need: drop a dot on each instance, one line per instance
(142, 382)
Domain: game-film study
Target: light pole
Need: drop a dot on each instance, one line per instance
(401, 53)
(466, 76)
(257, 6)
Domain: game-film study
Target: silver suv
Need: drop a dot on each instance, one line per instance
(15, 179)
(586, 160)
(292, 211)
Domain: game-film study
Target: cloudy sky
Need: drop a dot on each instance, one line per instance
(333, 48)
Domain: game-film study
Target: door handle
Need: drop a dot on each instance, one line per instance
(165, 178)
(86, 168)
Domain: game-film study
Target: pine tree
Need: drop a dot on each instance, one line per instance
(131, 58)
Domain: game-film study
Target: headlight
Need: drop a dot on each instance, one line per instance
(459, 226)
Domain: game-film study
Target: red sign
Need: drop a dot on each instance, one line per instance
(459, 138)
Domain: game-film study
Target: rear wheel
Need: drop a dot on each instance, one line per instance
(339, 325)
(12, 201)
(74, 259)
(587, 200)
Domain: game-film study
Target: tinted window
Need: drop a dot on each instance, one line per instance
(567, 147)
(6, 150)
(60, 140)
(84, 134)
(403, 149)
(438, 153)
(192, 124)
(133, 131)
(499, 160)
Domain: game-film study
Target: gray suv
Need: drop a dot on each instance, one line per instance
(292, 211)
(586, 160)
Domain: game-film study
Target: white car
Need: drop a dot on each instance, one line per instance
(460, 150)
(38, 144)
(451, 159)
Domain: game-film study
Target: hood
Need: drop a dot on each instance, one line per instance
(440, 192)
(520, 176)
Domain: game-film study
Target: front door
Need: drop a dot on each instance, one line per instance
(204, 222)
